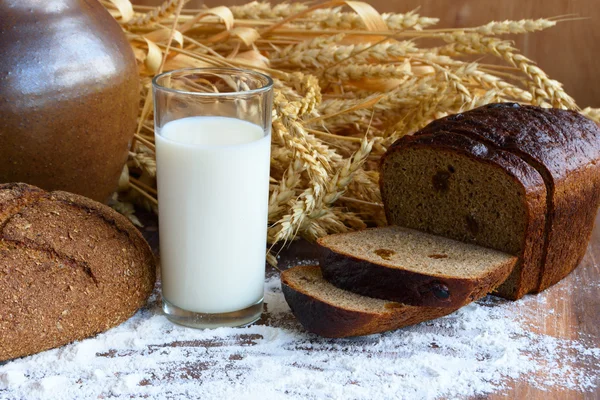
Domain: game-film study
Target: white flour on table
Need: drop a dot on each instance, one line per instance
(476, 350)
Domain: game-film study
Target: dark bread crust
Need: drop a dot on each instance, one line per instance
(524, 277)
(14, 196)
(333, 320)
(69, 268)
(385, 282)
(564, 147)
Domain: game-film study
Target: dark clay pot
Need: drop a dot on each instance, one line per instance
(68, 96)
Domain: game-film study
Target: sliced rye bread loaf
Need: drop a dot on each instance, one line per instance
(69, 268)
(412, 267)
(329, 311)
(450, 185)
(564, 147)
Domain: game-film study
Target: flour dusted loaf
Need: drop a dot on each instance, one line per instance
(69, 268)
(520, 179)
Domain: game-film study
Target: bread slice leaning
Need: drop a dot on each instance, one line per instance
(331, 312)
(412, 267)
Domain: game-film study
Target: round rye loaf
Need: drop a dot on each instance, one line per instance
(69, 268)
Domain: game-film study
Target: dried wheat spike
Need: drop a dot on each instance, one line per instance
(514, 27)
(542, 88)
(165, 10)
(353, 72)
(592, 113)
(322, 55)
(264, 10)
(332, 18)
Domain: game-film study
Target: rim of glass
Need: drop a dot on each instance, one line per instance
(238, 71)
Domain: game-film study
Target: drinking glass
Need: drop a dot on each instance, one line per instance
(213, 141)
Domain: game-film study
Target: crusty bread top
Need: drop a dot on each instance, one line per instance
(14, 196)
(444, 140)
(559, 140)
(70, 225)
(407, 249)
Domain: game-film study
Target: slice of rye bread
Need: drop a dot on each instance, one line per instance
(450, 185)
(329, 311)
(564, 147)
(412, 267)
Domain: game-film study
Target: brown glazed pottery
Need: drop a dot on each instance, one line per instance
(68, 96)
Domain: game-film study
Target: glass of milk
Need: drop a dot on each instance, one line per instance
(213, 144)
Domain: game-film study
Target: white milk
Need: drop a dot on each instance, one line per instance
(213, 188)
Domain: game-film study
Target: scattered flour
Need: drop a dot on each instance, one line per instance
(477, 350)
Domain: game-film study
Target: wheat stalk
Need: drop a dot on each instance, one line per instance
(319, 55)
(592, 113)
(263, 10)
(166, 9)
(542, 88)
(334, 19)
(353, 72)
(514, 27)
(283, 193)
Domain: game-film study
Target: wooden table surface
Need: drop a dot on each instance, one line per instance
(570, 310)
